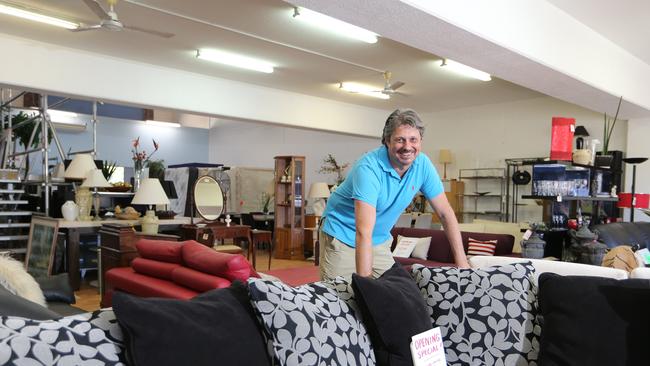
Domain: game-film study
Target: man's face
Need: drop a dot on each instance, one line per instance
(403, 147)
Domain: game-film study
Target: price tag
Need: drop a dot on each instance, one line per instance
(206, 236)
(427, 349)
(573, 128)
(527, 234)
(559, 198)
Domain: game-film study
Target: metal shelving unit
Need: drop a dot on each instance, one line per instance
(14, 222)
(484, 192)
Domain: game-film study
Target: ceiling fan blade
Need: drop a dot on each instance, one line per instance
(86, 28)
(97, 9)
(150, 31)
(396, 85)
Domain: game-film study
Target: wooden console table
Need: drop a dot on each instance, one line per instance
(208, 234)
(73, 229)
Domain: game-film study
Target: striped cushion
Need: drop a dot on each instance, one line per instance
(478, 247)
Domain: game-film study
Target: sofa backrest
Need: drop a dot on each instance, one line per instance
(440, 249)
(559, 267)
(624, 233)
(160, 250)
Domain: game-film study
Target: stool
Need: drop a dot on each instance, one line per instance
(259, 237)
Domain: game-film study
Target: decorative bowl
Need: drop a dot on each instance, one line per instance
(128, 216)
(118, 189)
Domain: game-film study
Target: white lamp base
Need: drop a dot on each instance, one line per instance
(319, 207)
(149, 223)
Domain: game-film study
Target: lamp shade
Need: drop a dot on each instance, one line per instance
(581, 131)
(80, 165)
(319, 190)
(444, 157)
(150, 193)
(95, 178)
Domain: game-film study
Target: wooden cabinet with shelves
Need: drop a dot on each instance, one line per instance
(289, 207)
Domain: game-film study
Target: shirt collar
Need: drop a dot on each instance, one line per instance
(384, 161)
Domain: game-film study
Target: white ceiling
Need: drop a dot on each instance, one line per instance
(429, 88)
(622, 22)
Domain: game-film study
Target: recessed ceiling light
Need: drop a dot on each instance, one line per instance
(458, 68)
(363, 89)
(30, 15)
(334, 25)
(233, 59)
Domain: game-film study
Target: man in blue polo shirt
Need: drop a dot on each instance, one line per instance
(355, 232)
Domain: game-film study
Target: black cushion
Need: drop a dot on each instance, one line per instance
(216, 327)
(628, 233)
(14, 305)
(393, 311)
(594, 320)
(57, 288)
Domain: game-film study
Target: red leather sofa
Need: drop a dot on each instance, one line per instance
(179, 270)
(439, 254)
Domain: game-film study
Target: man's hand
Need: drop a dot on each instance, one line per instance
(365, 216)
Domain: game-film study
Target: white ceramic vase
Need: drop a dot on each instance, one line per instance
(70, 211)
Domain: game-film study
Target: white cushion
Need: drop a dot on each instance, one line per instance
(561, 268)
(15, 279)
(421, 248)
(640, 272)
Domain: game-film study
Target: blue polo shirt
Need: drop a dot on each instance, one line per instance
(373, 180)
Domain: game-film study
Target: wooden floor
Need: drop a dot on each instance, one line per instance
(88, 295)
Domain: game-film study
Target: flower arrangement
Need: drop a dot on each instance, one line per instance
(330, 165)
(141, 157)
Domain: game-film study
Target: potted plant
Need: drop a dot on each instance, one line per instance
(156, 169)
(330, 165)
(605, 157)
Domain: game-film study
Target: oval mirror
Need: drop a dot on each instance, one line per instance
(208, 198)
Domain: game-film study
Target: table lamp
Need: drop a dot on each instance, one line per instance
(444, 158)
(320, 192)
(95, 179)
(79, 167)
(633, 197)
(150, 193)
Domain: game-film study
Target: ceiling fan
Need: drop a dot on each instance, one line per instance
(110, 21)
(390, 89)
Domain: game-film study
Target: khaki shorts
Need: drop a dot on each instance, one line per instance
(338, 259)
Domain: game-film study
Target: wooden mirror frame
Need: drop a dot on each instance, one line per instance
(204, 215)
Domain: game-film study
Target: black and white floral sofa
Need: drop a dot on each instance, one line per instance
(503, 311)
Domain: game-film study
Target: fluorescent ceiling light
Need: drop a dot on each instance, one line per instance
(334, 25)
(464, 70)
(236, 60)
(66, 120)
(150, 122)
(363, 89)
(25, 14)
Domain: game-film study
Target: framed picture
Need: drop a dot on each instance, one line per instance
(41, 245)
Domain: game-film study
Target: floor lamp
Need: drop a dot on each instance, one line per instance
(634, 162)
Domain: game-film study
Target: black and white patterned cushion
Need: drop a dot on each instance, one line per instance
(314, 324)
(84, 339)
(486, 316)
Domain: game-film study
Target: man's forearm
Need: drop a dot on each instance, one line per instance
(452, 232)
(363, 258)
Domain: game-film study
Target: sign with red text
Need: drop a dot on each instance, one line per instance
(427, 349)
